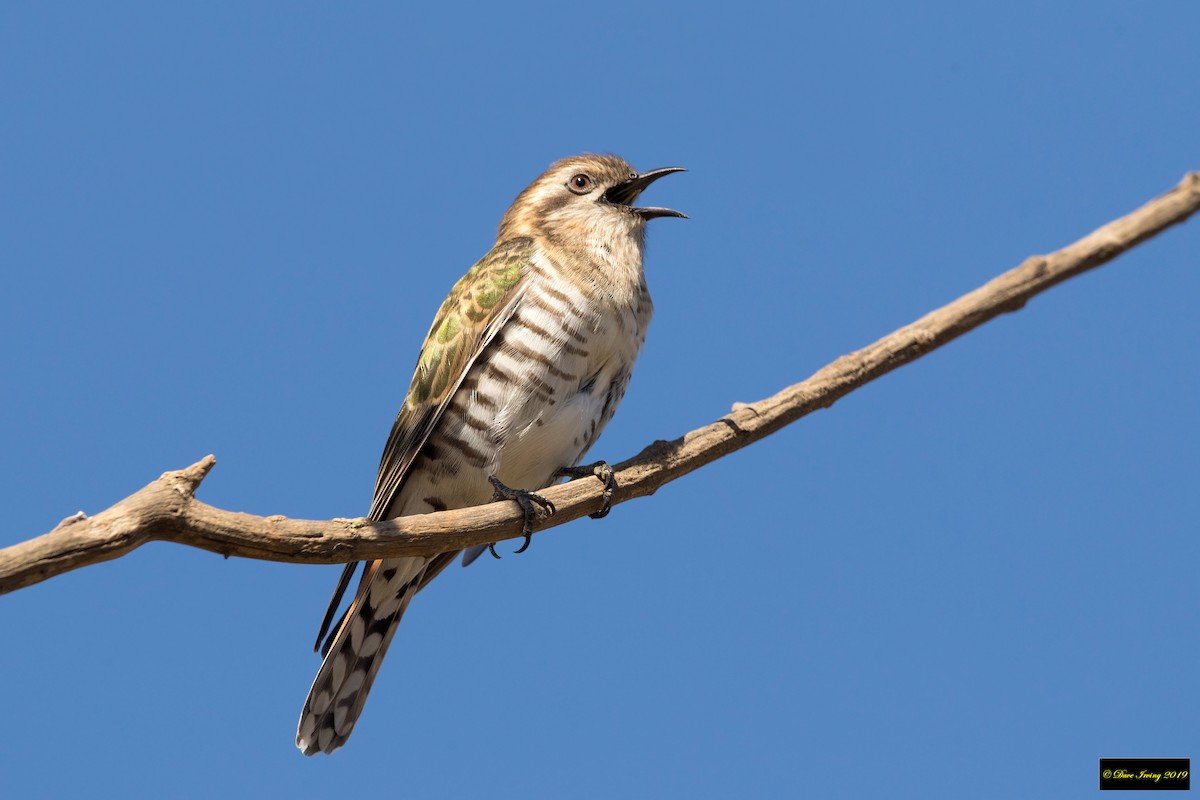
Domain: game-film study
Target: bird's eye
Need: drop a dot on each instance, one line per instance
(580, 184)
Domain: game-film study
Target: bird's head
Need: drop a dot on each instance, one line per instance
(588, 195)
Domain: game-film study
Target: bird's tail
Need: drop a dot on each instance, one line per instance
(356, 651)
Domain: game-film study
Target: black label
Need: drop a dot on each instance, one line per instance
(1145, 773)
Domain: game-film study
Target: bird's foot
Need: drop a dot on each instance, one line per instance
(527, 501)
(600, 470)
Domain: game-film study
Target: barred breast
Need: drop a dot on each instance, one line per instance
(538, 396)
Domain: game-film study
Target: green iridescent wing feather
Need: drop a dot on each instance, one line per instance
(478, 306)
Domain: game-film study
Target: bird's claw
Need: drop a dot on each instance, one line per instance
(527, 501)
(600, 470)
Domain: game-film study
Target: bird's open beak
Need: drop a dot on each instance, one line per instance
(624, 193)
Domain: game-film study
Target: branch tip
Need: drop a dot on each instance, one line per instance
(187, 480)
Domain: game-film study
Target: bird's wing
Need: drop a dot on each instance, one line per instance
(476, 308)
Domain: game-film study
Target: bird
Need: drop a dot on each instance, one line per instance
(522, 368)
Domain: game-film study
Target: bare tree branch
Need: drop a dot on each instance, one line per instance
(167, 510)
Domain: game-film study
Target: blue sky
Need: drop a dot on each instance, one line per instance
(226, 230)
